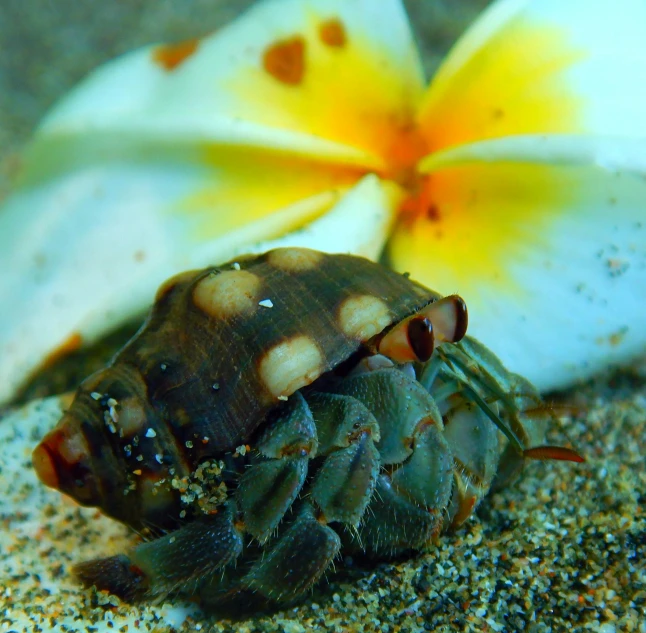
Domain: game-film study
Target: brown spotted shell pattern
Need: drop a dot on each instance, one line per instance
(279, 410)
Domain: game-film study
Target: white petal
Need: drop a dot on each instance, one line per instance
(224, 79)
(359, 223)
(99, 245)
(613, 154)
(609, 75)
(99, 251)
(542, 66)
(535, 123)
(545, 238)
(582, 309)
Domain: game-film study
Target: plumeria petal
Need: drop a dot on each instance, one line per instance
(546, 237)
(360, 223)
(612, 153)
(534, 177)
(342, 70)
(542, 66)
(178, 156)
(105, 237)
(300, 117)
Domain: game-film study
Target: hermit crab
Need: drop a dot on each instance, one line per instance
(280, 410)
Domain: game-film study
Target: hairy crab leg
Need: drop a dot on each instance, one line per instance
(297, 561)
(346, 481)
(270, 485)
(189, 555)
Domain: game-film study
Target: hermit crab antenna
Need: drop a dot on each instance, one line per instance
(467, 367)
(474, 372)
(553, 452)
(495, 418)
(546, 451)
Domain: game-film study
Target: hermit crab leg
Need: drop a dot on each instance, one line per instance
(186, 556)
(416, 482)
(415, 338)
(493, 416)
(271, 484)
(538, 452)
(297, 561)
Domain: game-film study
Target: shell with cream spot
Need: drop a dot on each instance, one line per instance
(212, 362)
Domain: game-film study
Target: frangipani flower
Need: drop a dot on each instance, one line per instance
(516, 178)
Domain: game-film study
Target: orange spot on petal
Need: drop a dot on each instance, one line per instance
(170, 56)
(332, 33)
(285, 60)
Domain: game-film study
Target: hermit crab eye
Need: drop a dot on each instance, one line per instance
(415, 338)
(450, 318)
(421, 337)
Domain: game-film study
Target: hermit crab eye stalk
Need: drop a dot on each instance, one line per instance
(421, 337)
(415, 338)
(449, 317)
